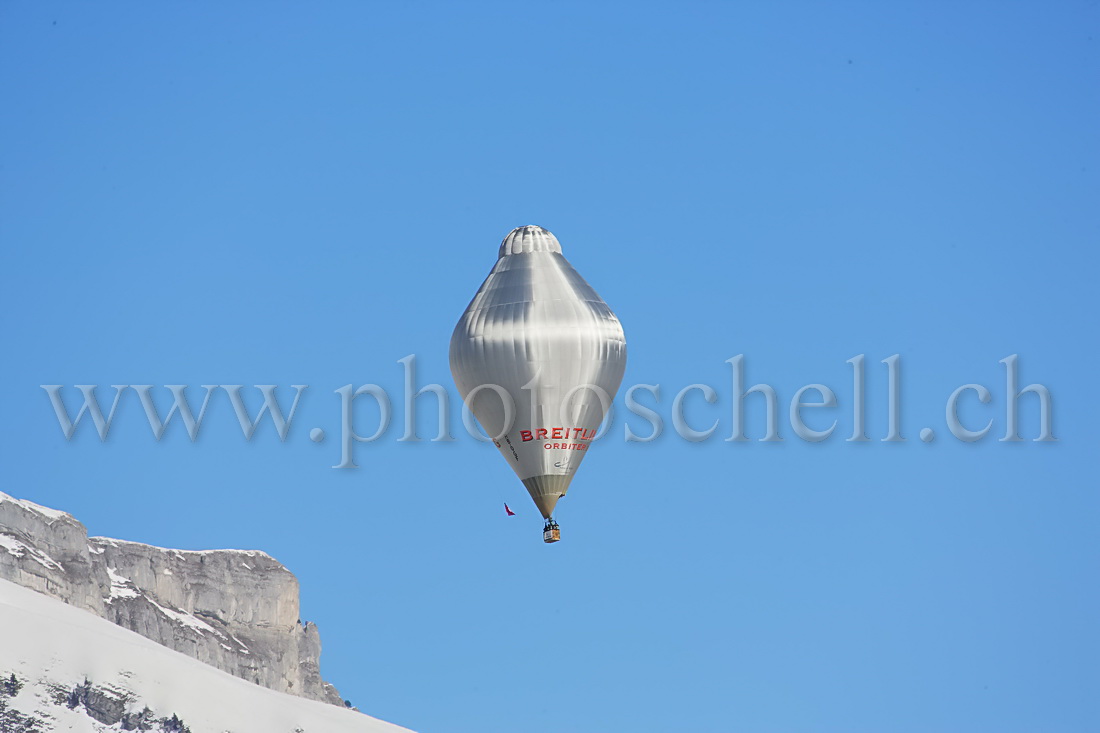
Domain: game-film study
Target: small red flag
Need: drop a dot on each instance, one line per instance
(510, 512)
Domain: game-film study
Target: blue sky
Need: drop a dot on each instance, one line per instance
(258, 193)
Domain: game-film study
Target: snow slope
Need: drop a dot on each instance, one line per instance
(51, 645)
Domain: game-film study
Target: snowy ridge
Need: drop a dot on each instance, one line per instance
(112, 542)
(54, 648)
(30, 506)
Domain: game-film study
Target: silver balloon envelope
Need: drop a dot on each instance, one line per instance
(538, 357)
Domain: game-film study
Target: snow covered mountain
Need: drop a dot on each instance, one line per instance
(62, 668)
(236, 610)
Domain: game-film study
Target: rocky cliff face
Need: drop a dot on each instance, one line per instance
(234, 609)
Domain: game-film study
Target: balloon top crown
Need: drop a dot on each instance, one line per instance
(529, 239)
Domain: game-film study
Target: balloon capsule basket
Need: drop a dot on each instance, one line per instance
(551, 532)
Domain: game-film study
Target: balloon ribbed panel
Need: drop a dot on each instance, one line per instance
(537, 330)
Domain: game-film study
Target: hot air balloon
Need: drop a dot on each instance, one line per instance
(538, 357)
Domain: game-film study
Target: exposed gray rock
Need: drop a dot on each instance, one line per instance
(234, 609)
(47, 550)
(105, 705)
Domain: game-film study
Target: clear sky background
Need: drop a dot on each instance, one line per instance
(264, 193)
